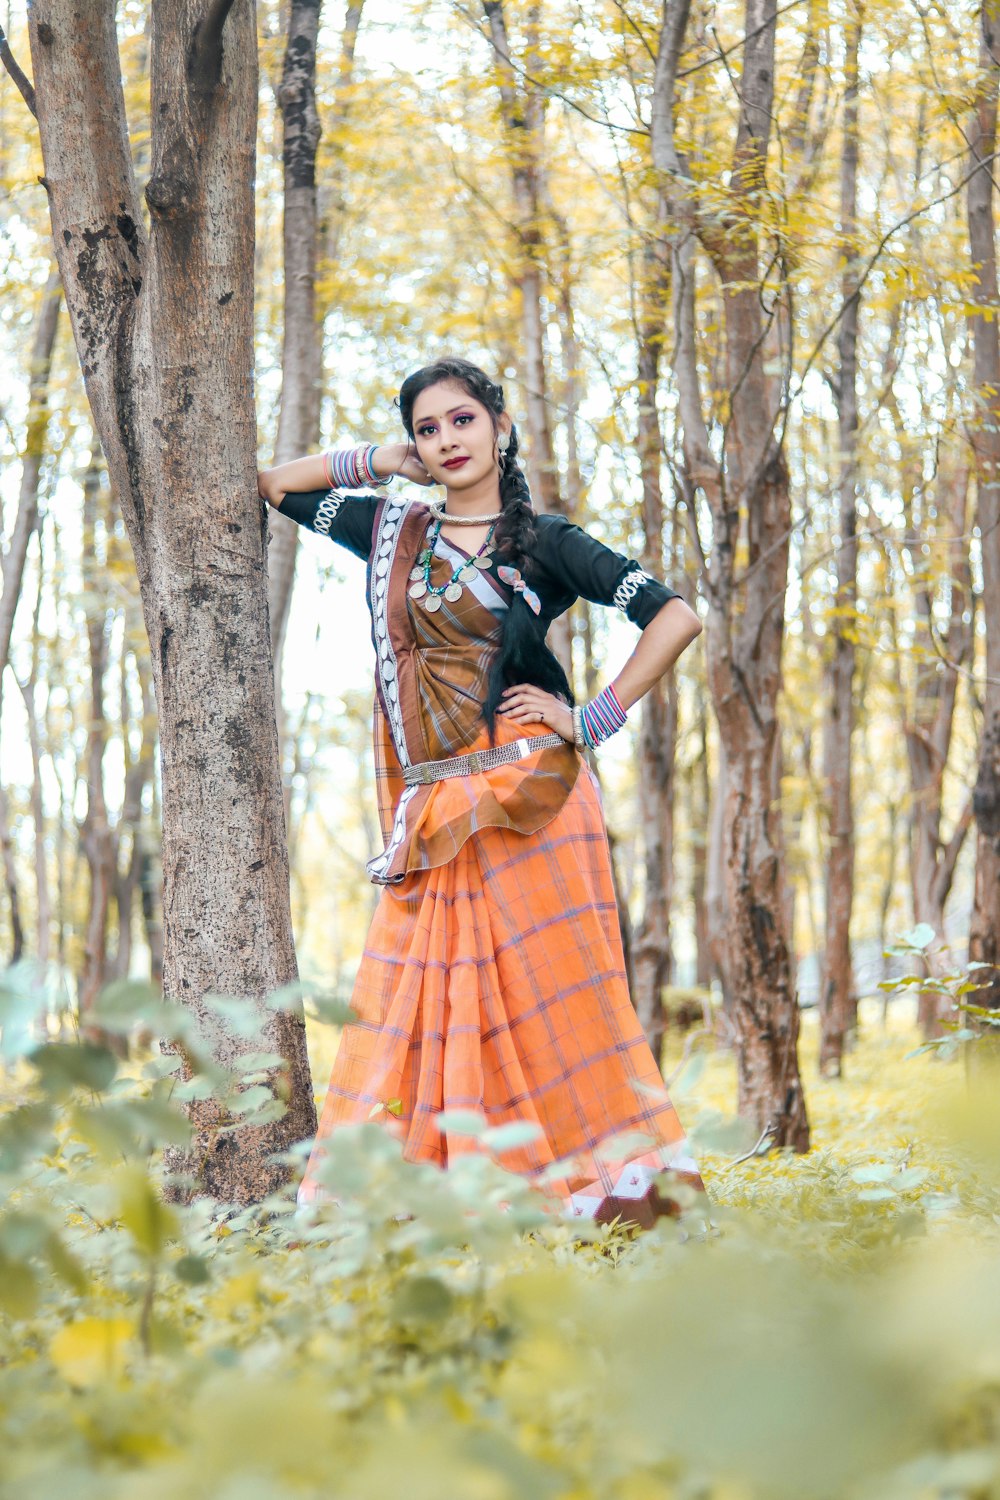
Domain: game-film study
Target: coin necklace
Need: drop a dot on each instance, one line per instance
(420, 574)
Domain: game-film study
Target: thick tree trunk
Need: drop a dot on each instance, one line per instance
(164, 330)
(749, 499)
(837, 982)
(984, 937)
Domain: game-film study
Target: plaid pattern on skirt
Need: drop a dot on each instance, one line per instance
(496, 982)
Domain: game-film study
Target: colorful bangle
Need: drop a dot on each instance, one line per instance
(365, 460)
(602, 718)
(351, 468)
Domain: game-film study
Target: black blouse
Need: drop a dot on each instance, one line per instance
(567, 564)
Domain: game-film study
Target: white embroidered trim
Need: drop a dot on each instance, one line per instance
(630, 585)
(377, 867)
(326, 512)
(384, 551)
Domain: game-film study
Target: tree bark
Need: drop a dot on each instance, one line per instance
(652, 954)
(748, 496)
(837, 981)
(984, 937)
(26, 518)
(96, 836)
(14, 558)
(929, 729)
(302, 341)
(164, 331)
(523, 115)
(43, 901)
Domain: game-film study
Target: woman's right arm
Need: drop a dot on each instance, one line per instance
(301, 475)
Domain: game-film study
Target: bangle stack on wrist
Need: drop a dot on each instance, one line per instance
(598, 721)
(351, 468)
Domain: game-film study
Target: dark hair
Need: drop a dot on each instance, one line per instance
(522, 656)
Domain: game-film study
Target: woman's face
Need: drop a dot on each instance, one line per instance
(454, 435)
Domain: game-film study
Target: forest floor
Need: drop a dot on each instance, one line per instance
(896, 1113)
(832, 1334)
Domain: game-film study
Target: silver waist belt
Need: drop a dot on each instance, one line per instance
(478, 760)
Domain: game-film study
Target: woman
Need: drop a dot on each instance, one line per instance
(493, 977)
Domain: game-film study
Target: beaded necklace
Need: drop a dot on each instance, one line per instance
(420, 574)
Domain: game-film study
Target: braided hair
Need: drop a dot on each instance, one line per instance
(522, 656)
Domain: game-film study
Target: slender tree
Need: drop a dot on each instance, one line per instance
(302, 340)
(522, 108)
(163, 323)
(748, 497)
(984, 940)
(652, 954)
(837, 982)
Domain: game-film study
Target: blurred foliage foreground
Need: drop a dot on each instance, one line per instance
(834, 1332)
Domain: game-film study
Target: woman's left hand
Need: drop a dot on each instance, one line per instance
(531, 705)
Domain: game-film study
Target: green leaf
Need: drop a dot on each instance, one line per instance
(149, 1220)
(461, 1122)
(193, 1270)
(21, 999)
(878, 1172)
(422, 1299)
(63, 1066)
(514, 1134)
(125, 1003)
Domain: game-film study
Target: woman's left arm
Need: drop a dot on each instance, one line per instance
(671, 630)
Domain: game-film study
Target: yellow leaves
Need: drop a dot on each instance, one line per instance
(238, 1294)
(92, 1350)
(386, 1107)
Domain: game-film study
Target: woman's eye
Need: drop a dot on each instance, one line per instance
(425, 431)
(463, 418)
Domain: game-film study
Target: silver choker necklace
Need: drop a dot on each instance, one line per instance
(447, 519)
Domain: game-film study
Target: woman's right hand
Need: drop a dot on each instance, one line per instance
(268, 489)
(400, 458)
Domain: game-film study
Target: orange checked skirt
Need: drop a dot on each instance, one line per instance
(496, 983)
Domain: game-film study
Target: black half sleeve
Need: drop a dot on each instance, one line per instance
(347, 519)
(576, 561)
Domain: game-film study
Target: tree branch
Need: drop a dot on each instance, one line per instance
(206, 59)
(21, 80)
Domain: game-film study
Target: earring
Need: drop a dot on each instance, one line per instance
(503, 443)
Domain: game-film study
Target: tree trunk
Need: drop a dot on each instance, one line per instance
(984, 937)
(837, 982)
(26, 518)
(164, 331)
(930, 724)
(700, 802)
(96, 837)
(749, 499)
(13, 561)
(302, 344)
(652, 953)
(523, 113)
(43, 901)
